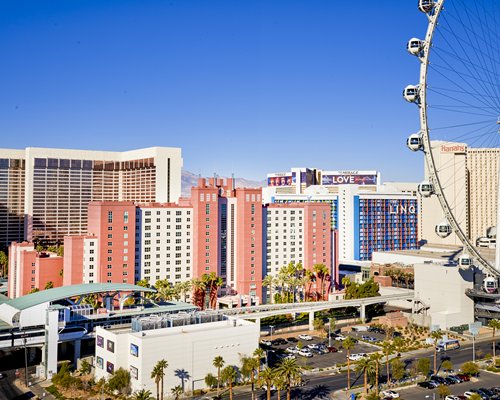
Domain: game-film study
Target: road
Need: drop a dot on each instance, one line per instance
(322, 385)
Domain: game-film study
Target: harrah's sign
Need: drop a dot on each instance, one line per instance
(455, 148)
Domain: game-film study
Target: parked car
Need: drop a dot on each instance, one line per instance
(313, 346)
(305, 353)
(355, 357)
(454, 378)
(373, 339)
(390, 393)
(332, 349)
(291, 350)
(463, 378)
(303, 336)
(439, 380)
(426, 385)
(450, 381)
(324, 349)
(266, 342)
(291, 340)
(340, 337)
(451, 397)
(278, 341)
(290, 357)
(365, 337)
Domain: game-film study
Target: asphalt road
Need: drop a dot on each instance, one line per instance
(322, 385)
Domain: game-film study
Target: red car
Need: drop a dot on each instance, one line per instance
(463, 378)
(332, 349)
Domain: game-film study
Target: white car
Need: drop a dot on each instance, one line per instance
(291, 350)
(266, 342)
(305, 353)
(303, 336)
(355, 357)
(340, 337)
(390, 393)
(451, 397)
(468, 394)
(313, 346)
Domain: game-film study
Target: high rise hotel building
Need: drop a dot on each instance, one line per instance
(44, 193)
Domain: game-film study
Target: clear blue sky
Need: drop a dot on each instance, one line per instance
(248, 87)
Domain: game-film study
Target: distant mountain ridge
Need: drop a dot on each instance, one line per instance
(188, 179)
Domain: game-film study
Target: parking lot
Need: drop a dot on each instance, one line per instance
(486, 380)
(276, 351)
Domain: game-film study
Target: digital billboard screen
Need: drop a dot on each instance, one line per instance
(282, 179)
(349, 179)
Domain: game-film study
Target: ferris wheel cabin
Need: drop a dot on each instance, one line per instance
(426, 189)
(411, 93)
(415, 46)
(490, 284)
(464, 261)
(414, 142)
(426, 6)
(443, 230)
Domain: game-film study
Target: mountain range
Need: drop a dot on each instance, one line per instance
(189, 179)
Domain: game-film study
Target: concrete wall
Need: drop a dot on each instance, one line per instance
(443, 289)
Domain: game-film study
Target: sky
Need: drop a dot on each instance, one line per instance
(244, 87)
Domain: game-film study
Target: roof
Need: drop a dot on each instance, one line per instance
(64, 292)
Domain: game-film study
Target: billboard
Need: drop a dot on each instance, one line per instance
(134, 350)
(285, 179)
(308, 177)
(348, 179)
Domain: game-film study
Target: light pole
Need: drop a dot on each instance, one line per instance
(329, 332)
(433, 396)
(25, 361)
(271, 327)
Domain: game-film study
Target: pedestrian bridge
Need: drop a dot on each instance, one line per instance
(270, 310)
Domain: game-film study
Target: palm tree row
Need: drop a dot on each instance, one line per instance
(207, 285)
(283, 377)
(400, 276)
(295, 283)
(158, 374)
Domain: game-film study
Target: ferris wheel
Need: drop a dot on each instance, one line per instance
(458, 96)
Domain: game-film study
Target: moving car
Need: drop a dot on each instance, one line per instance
(355, 357)
(390, 394)
(303, 336)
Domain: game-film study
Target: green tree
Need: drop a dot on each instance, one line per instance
(494, 324)
(85, 367)
(268, 281)
(34, 290)
(4, 262)
(398, 369)
(120, 381)
(436, 337)
(447, 365)
(348, 345)
(375, 358)
(369, 288)
(388, 349)
(249, 367)
(266, 378)
(318, 324)
(475, 396)
(162, 365)
(210, 380)
(218, 363)
(364, 366)
(142, 394)
(176, 391)
(470, 368)
(49, 285)
(228, 376)
(443, 391)
(424, 366)
(156, 374)
(290, 372)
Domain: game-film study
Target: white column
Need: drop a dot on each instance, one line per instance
(311, 320)
(51, 339)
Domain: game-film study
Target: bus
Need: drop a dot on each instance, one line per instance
(451, 344)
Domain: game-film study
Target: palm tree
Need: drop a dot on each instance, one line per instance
(229, 376)
(249, 367)
(436, 336)
(321, 272)
(162, 364)
(176, 391)
(290, 372)
(388, 349)
(348, 344)
(268, 282)
(376, 357)
(218, 363)
(142, 394)
(4, 261)
(363, 366)
(494, 324)
(266, 377)
(199, 293)
(156, 375)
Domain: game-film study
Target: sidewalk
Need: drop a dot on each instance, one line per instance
(37, 389)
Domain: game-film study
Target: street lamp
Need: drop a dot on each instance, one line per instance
(433, 396)
(25, 360)
(330, 332)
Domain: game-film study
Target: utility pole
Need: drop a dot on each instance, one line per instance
(329, 332)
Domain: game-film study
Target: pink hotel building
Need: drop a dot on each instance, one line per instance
(219, 229)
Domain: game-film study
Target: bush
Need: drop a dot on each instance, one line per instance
(470, 369)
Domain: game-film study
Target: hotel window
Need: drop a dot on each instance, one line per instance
(110, 217)
(125, 217)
